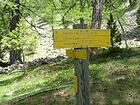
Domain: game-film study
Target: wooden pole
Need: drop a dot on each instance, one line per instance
(82, 74)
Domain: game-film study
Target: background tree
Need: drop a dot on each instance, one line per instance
(116, 36)
(119, 8)
(15, 55)
(23, 38)
(11, 12)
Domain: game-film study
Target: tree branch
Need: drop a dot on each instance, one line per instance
(71, 7)
(111, 4)
(31, 24)
(28, 9)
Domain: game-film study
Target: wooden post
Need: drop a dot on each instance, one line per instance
(82, 74)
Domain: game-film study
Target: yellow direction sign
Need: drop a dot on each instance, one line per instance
(81, 38)
(77, 53)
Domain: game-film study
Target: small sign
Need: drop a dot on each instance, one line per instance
(75, 85)
(81, 38)
(77, 53)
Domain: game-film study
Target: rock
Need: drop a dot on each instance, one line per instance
(3, 70)
(11, 68)
(9, 94)
(0, 68)
(46, 60)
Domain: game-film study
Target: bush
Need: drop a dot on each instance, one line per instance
(113, 50)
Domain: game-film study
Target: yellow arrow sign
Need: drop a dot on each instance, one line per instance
(77, 53)
(81, 38)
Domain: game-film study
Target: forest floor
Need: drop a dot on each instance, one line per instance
(115, 78)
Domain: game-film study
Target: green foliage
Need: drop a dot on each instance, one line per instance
(117, 7)
(65, 12)
(116, 36)
(22, 38)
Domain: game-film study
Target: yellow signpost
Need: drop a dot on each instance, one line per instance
(81, 38)
(78, 53)
(75, 84)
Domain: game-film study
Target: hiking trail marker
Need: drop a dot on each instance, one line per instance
(78, 41)
(81, 38)
(79, 53)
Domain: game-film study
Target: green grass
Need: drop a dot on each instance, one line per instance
(48, 76)
(115, 77)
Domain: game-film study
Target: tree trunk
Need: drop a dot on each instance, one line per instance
(96, 19)
(96, 14)
(15, 55)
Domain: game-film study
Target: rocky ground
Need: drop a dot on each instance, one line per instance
(130, 25)
(20, 67)
(45, 48)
